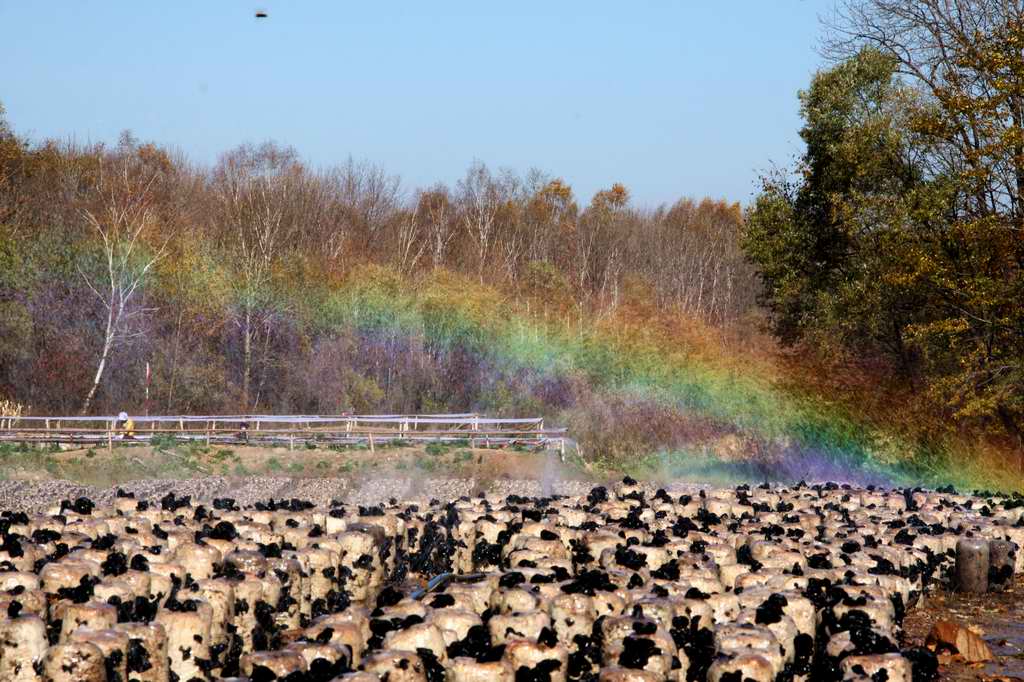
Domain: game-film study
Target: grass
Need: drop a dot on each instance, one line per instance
(427, 464)
(15, 456)
(224, 455)
(439, 448)
(348, 447)
(172, 458)
(163, 441)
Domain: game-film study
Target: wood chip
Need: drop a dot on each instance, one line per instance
(951, 638)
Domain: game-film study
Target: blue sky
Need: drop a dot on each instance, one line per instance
(685, 98)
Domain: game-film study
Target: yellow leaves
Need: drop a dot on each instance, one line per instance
(557, 190)
(378, 280)
(553, 203)
(192, 276)
(607, 199)
(546, 284)
(452, 291)
(155, 158)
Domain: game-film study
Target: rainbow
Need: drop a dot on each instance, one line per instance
(638, 362)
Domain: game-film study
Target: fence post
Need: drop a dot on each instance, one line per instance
(370, 437)
(110, 436)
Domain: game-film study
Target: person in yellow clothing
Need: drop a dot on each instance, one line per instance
(125, 425)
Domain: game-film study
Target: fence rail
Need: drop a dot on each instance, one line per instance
(286, 430)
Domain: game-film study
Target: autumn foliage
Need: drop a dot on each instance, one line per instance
(263, 284)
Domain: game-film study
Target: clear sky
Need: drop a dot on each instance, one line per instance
(672, 98)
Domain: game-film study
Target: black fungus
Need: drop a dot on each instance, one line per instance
(476, 645)
(771, 610)
(636, 651)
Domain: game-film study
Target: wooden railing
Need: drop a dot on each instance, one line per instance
(286, 430)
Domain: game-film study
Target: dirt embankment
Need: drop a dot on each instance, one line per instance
(35, 478)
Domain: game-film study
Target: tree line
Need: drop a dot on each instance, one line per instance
(112, 257)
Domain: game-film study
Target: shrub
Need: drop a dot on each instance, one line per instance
(224, 455)
(163, 441)
(427, 464)
(436, 449)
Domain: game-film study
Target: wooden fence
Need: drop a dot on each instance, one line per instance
(287, 430)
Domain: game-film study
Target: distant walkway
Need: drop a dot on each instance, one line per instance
(291, 430)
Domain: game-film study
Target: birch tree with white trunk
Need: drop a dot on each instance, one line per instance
(124, 216)
(256, 190)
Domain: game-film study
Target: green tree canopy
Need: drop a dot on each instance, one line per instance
(900, 230)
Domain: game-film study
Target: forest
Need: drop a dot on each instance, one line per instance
(864, 308)
(237, 283)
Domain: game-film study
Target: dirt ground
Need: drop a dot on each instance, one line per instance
(99, 466)
(999, 617)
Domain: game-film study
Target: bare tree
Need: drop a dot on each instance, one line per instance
(412, 243)
(550, 210)
(510, 238)
(480, 200)
(512, 247)
(369, 199)
(323, 219)
(596, 239)
(256, 188)
(699, 261)
(124, 216)
(434, 211)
